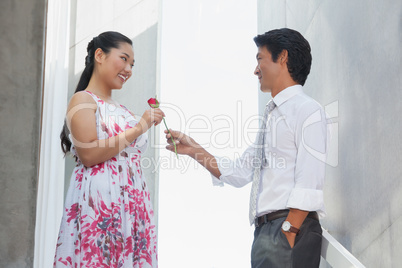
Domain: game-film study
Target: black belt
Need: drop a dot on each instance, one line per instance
(279, 214)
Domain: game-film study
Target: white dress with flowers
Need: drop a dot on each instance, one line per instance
(108, 217)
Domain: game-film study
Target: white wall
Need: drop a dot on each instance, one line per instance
(357, 66)
(208, 90)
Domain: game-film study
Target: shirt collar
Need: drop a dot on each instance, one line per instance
(287, 93)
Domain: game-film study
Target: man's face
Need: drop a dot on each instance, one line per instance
(267, 71)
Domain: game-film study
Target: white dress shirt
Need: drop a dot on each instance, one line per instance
(295, 150)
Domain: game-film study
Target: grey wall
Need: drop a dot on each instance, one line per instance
(21, 42)
(356, 47)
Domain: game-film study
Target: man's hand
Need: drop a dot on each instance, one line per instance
(296, 217)
(291, 238)
(184, 144)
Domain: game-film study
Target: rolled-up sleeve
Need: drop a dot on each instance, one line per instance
(311, 142)
(236, 172)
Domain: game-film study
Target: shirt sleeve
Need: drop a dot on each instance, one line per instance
(311, 142)
(236, 172)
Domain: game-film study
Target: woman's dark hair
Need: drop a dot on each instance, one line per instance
(299, 51)
(104, 41)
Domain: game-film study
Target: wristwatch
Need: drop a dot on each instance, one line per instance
(287, 227)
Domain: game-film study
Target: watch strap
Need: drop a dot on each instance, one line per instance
(294, 230)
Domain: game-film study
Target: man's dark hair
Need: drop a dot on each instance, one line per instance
(299, 51)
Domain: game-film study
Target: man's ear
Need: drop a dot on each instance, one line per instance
(99, 55)
(283, 57)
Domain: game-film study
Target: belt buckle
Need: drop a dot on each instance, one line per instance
(263, 218)
(256, 222)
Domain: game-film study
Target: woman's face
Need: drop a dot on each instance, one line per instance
(116, 66)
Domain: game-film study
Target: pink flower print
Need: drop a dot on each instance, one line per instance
(129, 246)
(112, 167)
(117, 128)
(91, 203)
(98, 168)
(103, 236)
(106, 129)
(78, 177)
(142, 236)
(124, 107)
(114, 125)
(134, 157)
(63, 262)
(69, 260)
(131, 173)
(73, 213)
(133, 143)
(127, 110)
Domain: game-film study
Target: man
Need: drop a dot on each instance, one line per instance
(286, 165)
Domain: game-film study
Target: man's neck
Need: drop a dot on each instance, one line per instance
(275, 91)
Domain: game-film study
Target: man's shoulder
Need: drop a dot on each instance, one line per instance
(303, 102)
(303, 106)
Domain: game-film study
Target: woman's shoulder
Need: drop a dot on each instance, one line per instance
(82, 98)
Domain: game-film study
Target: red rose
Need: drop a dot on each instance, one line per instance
(153, 102)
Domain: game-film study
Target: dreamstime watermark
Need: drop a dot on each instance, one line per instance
(223, 131)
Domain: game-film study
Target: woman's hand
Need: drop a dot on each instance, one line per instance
(149, 118)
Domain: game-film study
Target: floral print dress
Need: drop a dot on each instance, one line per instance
(108, 216)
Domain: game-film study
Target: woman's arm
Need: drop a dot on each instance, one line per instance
(82, 124)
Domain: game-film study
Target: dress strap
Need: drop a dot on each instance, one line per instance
(127, 110)
(99, 100)
(96, 98)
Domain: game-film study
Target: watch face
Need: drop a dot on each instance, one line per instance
(286, 226)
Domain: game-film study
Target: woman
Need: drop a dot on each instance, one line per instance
(108, 217)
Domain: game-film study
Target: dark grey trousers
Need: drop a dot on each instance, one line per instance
(271, 248)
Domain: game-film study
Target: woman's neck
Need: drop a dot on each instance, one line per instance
(95, 86)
